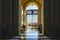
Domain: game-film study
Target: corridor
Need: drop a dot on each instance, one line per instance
(30, 34)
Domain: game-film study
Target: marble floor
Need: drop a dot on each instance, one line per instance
(30, 34)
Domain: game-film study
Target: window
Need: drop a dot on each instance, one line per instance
(32, 17)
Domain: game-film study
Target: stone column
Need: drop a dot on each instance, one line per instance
(42, 16)
(24, 17)
(20, 11)
(39, 16)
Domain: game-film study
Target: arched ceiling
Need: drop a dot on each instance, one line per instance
(25, 3)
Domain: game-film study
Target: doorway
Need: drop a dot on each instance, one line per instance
(32, 22)
(32, 16)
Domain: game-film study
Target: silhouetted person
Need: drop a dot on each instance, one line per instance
(40, 28)
(23, 28)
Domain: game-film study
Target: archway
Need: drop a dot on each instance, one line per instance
(39, 6)
(32, 22)
(32, 15)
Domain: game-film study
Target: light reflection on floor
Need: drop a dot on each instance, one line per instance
(31, 34)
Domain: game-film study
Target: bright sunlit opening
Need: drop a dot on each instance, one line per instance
(32, 7)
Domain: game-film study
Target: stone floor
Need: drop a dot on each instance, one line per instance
(44, 38)
(30, 35)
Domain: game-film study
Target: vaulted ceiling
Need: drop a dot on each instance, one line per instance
(23, 1)
(26, 2)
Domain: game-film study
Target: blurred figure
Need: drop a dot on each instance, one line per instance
(40, 28)
(23, 28)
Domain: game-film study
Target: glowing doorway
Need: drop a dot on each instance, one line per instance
(32, 22)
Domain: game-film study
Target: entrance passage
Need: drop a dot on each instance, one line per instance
(32, 23)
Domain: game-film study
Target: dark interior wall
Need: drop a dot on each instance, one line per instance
(47, 17)
(56, 11)
(52, 18)
(5, 18)
(0, 16)
(0, 12)
(9, 18)
(15, 11)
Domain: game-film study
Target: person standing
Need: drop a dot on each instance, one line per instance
(23, 28)
(40, 28)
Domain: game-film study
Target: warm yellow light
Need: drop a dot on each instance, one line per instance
(32, 6)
